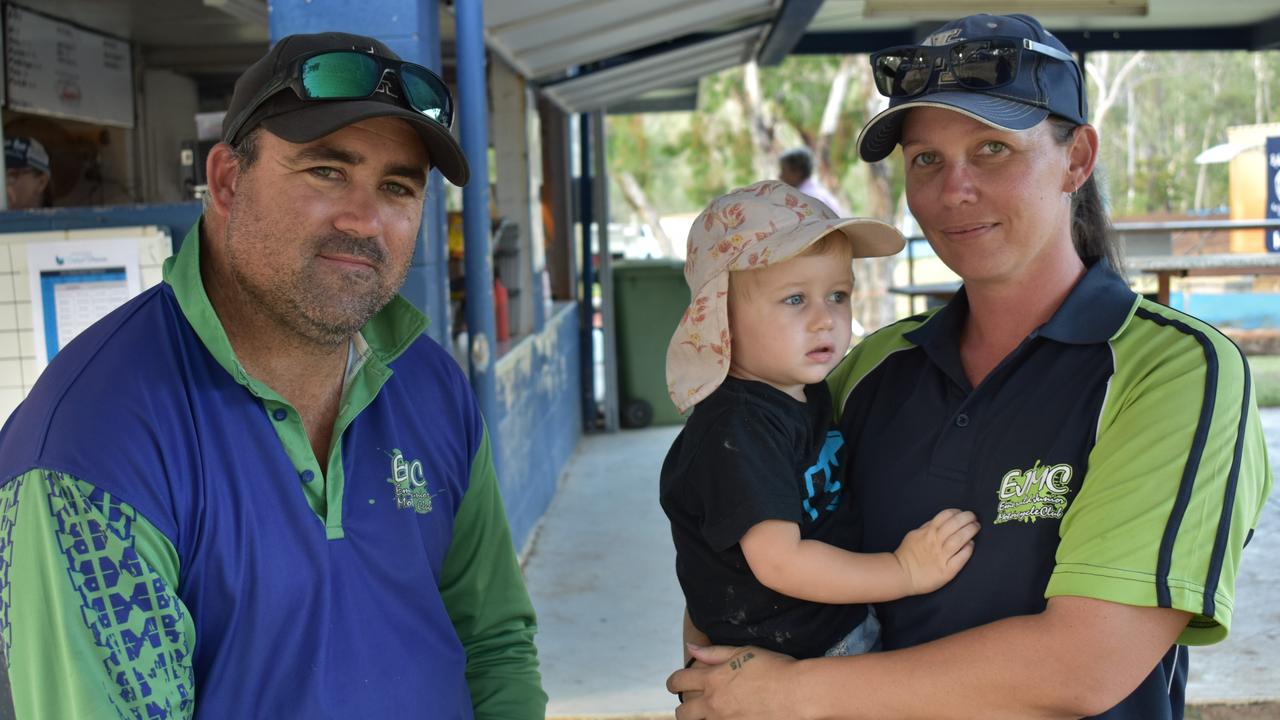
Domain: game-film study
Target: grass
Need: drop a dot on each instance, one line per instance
(1247, 711)
(1266, 379)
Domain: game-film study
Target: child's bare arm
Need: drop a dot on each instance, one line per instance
(691, 634)
(813, 570)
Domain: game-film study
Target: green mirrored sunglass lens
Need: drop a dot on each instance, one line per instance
(340, 75)
(425, 95)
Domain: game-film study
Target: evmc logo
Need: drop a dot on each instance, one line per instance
(1029, 495)
(410, 484)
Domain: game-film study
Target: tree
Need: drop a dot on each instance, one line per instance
(1155, 112)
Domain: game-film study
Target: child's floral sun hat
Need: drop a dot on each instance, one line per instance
(748, 229)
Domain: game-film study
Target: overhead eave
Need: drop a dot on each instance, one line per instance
(598, 90)
(544, 39)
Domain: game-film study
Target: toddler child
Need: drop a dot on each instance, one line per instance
(752, 486)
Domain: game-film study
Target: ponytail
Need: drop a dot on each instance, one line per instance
(1091, 230)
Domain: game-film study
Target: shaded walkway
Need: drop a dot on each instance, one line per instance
(602, 576)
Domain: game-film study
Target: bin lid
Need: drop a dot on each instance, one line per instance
(657, 266)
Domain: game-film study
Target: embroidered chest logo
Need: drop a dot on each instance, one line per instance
(1029, 495)
(410, 484)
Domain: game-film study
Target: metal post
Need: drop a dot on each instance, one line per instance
(611, 399)
(434, 234)
(473, 109)
(586, 215)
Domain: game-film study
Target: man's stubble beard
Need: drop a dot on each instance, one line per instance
(313, 311)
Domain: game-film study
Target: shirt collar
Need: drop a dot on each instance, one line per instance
(1096, 310)
(387, 334)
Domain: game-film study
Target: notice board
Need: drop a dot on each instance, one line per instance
(56, 68)
(55, 283)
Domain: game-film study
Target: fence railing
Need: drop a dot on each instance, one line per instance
(1163, 266)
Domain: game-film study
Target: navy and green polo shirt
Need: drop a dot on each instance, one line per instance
(1115, 454)
(170, 547)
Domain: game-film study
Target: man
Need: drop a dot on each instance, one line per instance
(257, 490)
(26, 174)
(795, 168)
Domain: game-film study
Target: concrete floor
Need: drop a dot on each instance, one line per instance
(602, 576)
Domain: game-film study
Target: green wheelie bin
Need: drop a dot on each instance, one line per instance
(650, 297)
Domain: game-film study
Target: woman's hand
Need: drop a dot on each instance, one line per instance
(734, 683)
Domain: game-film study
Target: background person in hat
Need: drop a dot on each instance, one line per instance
(257, 490)
(26, 174)
(754, 485)
(1110, 446)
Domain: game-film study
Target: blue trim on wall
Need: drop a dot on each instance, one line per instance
(1246, 311)
(178, 217)
(538, 417)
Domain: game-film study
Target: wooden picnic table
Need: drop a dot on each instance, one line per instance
(1168, 266)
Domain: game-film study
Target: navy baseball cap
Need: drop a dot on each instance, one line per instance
(1043, 86)
(24, 152)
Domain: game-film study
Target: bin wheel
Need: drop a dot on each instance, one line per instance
(637, 414)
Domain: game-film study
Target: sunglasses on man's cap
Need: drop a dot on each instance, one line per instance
(308, 86)
(355, 75)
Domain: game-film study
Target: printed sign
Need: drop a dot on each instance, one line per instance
(74, 284)
(59, 69)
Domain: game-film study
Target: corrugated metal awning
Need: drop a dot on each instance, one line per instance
(545, 38)
(600, 89)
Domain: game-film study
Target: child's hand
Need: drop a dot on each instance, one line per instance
(933, 553)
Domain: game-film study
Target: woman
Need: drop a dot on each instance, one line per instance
(1110, 446)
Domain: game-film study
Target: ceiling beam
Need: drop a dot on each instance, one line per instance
(203, 58)
(844, 43)
(788, 27)
(1238, 37)
(1266, 34)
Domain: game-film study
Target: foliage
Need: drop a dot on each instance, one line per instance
(682, 160)
(1170, 107)
(1176, 105)
(1266, 379)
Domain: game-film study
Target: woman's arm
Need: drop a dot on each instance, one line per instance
(812, 570)
(1077, 658)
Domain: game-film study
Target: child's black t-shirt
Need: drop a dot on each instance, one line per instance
(749, 453)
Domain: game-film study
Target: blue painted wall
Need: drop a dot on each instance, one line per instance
(539, 418)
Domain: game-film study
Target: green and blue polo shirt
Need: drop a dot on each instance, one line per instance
(170, 547)
(1116, 454)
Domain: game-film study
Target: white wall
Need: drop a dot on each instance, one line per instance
(169, 106)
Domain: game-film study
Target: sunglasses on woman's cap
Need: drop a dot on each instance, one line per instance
(1004, 70)
(334, 80)
(981, 64)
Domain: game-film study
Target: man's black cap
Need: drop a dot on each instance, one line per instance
(301, 121)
